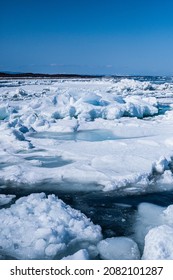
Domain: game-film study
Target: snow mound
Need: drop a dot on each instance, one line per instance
(160, 166)
(118, 248)
(40, 227)
(166, 180)
(140, 107)
(159, 244)
(130, 85)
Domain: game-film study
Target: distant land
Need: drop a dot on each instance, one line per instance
(30, 75)
(15, 75)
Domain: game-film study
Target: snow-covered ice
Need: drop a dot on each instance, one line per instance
(107, 134)
(40, 227)
(67, 119)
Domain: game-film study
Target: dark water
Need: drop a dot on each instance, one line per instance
(115, 214)
(114, 211)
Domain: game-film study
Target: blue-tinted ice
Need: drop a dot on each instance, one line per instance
(82, 135)
(49, 161)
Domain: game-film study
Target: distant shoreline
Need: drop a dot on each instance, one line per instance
(41, 76)
(11, 75)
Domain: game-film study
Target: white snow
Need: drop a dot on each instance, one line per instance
(118, 248)
(40, 227)
(68, 118)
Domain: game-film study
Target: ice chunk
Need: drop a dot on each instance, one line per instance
(139, 107)
(160, 166)
(152, 217)
(159, 244)
(80, 255)
(40, 227)
(118, 248)
(4, 112)
(130, 85)
(166, 180)
(148, 216)
(113, 112)
(167, 215)
(18, 134)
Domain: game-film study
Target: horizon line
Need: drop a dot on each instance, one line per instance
(18, 74)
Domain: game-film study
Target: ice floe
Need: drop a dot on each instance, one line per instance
(153, 231)
(118, 248)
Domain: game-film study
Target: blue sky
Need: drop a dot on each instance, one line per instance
(124, 37)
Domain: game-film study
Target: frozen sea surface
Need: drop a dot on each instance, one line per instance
(103, 146)
(94, 135)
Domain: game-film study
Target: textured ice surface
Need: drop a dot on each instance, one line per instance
(159, 244)
(153, 231)
(118, 248)
(48, 161)
(36, 227)
(106, 132)
(93, 134)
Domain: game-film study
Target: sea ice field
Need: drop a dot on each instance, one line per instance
(86, 168)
